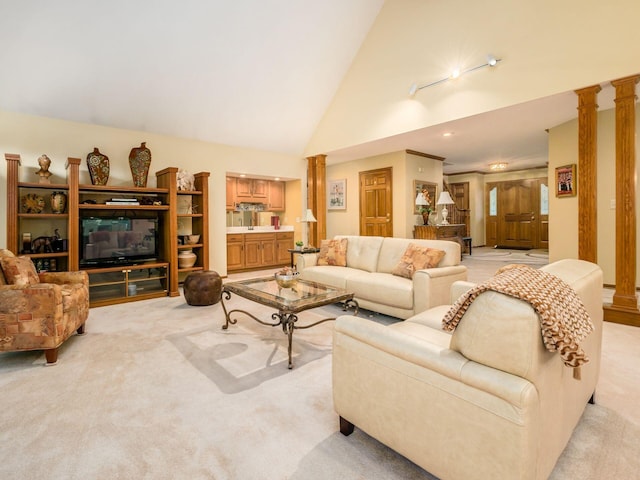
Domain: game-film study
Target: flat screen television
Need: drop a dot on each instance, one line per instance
(108, 241)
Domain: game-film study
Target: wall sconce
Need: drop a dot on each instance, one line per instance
(491, 62)
(445, 199)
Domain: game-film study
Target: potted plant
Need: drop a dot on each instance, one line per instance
(299, 244)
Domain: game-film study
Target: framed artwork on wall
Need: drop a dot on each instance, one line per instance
(337, 194)
(429, 191)
(566, 180)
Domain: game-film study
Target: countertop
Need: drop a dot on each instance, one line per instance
(260, 229)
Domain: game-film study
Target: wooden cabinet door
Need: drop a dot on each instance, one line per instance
(268, 251)
(243, 189)
(252, 256)
(284, 242)
(231, 193)
(260, 190)
(235, 252)
(276, 196)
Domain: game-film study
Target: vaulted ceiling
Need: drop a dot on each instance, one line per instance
(249, 73)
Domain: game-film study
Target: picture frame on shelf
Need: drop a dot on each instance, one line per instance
(337, 194)
(566, 181)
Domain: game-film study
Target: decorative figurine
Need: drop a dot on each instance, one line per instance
(45, 163)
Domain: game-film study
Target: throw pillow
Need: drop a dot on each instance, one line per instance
(333, 252)
(417, 258)
(19, 271)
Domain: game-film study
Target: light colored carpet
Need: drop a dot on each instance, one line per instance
(157, 390)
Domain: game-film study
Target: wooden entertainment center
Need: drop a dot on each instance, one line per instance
(126, 281)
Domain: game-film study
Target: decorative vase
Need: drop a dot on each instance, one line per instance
(58, 202)
(187, 259)
(425, 218)
(139, 161)
(98, 165)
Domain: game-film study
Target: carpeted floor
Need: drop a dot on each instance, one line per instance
(157, 390)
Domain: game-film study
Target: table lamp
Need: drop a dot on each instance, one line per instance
(421, 202)
(308, 218)
(445, 199)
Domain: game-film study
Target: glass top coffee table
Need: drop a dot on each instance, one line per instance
(288, 301)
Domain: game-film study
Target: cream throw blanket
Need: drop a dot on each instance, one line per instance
(564, 321)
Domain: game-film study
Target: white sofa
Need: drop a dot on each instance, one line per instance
(488, 401)
(367, 274)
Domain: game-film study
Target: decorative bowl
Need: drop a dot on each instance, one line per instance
(288, 280)
(192, 239)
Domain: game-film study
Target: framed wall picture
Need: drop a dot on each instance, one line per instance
(429, 191)
(566, 181)
(337, 194)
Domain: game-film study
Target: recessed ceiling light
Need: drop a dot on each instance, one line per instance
(447, 134)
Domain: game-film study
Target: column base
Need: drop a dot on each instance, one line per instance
(625, 316)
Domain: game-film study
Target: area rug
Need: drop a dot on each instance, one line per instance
(156, 389)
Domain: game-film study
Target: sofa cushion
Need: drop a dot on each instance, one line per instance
(417, 258)
(363, 252)
(381, 288)
(333, 252)
(329, 275)
(19, 271)
(4, 253)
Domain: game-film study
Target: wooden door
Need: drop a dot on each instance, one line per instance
(513, 214)
(460, 195)
(376, 203)
(252, 257)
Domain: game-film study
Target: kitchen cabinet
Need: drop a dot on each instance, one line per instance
(276, 196)
(255, 251)
(284, 242)
(231, 193)
(252, 190)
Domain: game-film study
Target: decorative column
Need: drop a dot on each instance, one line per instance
(624, 308)
(587, 173)
(317, 197)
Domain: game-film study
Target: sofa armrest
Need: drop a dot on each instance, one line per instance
(41, 297)
(62, 278)
(459, 288)
(405, 354)
(305, 260)
(432, 286)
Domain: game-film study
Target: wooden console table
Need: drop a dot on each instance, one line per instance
(453, 232)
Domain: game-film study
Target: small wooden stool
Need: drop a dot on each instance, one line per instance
(202, 288)
(467, 243)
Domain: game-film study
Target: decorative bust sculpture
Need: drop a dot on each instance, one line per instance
(44, 173)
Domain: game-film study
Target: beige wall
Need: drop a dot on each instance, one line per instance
(32, 136)
(420, 41)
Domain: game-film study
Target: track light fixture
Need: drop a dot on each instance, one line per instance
(491, 62)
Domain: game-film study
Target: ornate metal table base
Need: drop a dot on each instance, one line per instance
(286, 319)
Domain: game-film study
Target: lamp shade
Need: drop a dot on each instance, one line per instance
(308, 216)
(421, 200)
(445, 199)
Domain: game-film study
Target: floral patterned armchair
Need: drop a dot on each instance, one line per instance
(39, 311)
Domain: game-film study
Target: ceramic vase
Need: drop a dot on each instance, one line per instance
(139, 161)
(187, 259)
(58, 202)
(98, 165)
